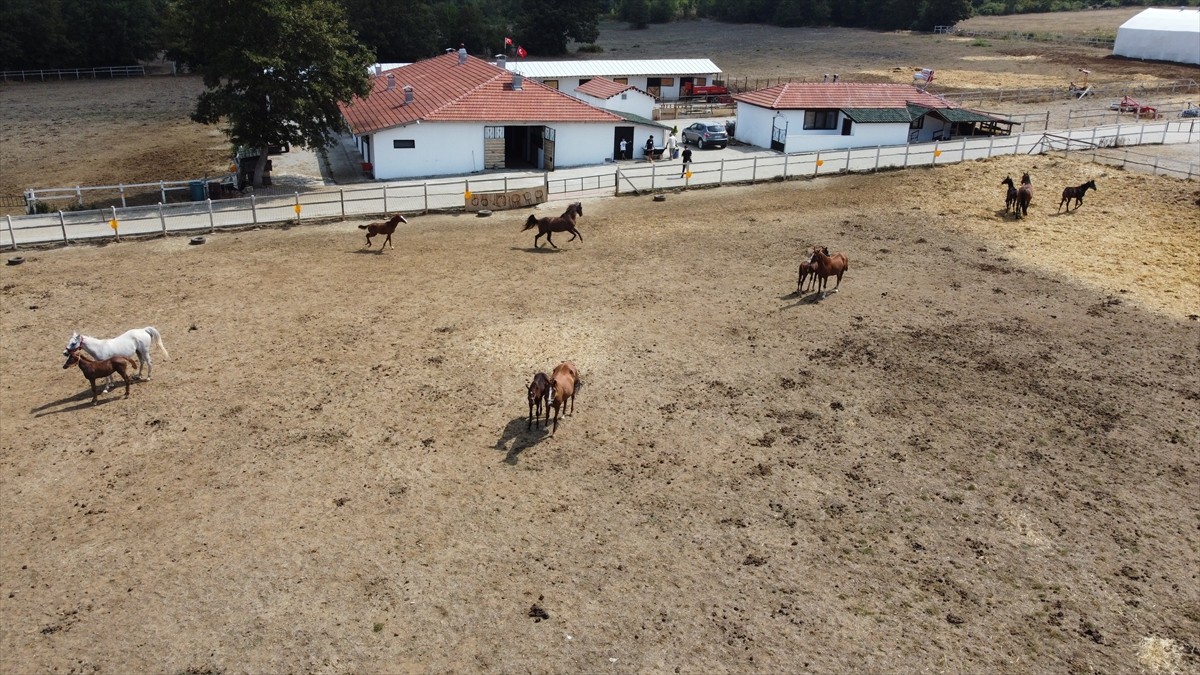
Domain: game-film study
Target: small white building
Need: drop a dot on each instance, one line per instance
(604, 93)
(803, 117)
(1161, 35)
(455, 114)
(662, 79)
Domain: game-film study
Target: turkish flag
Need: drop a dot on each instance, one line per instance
(521, 51)
(507, 41)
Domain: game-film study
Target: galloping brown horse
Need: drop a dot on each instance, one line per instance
(828, 266)
(539, 396)
(563, 223)
(564, 384)
(1075, 193)
(383, 228)
(1024, 196)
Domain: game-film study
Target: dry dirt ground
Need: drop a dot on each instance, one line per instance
(977, 456)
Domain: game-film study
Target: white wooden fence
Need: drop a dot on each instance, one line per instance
(448, 195)
(71, 73)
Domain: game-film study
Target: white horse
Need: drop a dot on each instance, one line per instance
(135, 341)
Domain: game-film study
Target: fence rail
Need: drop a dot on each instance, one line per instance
(1081, 40)
(1042, 94)
(448, 195)
(71, 73)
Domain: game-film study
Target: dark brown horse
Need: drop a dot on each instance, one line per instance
(1010, 199)
(564, 385)
(828, 266)
(563, 223)
(94, 370)
(539, 396)
(1024, 196)
(1075, 193)
(808, 270)
(387, 228)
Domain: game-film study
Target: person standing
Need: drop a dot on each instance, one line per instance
(687, 161)
(650, 148)
(623, 146)
(669, 150)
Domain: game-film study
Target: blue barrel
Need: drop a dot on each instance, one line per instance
(197, 189)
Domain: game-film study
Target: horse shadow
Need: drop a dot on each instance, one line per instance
(515, 439)
(369, 251)
(543, 249)
(811, 298)
(84, 399)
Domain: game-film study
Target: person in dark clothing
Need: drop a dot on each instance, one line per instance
(687, 161)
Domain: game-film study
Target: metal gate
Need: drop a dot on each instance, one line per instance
(548, 148)
(779, 134)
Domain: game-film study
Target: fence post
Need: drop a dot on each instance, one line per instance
(816, 164)
(162, 219)
(721, 173)
(754, 170)
(385, 208)
(991, 144)
(653, 173)
(254, 209)
(297, 207)
(342, 200)
(934, 156)
(505, 184)
(907, 148)
(212, 225)
(162, 189)
(62, 222)
(11, 236)
(425, 197)
(122, 189)
(79, 195)
(785, 166)
(1046, 126)
(1141, 133)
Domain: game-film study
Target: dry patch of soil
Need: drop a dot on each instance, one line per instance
(978, 455)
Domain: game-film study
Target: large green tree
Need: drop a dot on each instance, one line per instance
(274, 70)
(545, 26)
(398, 30)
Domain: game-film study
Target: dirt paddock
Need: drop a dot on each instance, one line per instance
(978, 456)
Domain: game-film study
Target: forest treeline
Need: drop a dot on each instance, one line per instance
(87, 33)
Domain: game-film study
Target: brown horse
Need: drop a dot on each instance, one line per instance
(828, 266)
(94, 370)
(539, 395)
(563, 223)
(1024, 196)
(1010, 199)
(387, 228)
(564, 385)
(808, 269)
(1075, 193)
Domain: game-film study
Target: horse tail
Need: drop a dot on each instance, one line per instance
(530, 223)
(578, 386)
(156, 338)
(363, 227)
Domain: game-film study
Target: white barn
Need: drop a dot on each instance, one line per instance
(803, 117)
(663, 79)
(455, 114)
(1161, 35)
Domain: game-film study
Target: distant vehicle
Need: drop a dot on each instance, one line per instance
(712, 93)
(1130, 104)
(706, 135)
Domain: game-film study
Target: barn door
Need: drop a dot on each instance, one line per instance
(654, 87)
(779, 134)
(548, 148)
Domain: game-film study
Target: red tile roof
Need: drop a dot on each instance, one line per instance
(602, 87)
(476, 91)
(840, 95)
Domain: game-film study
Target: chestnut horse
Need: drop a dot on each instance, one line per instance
(564, 385)
(563, 223)
(828, 266)
(1024, 196)
(1010, 199)
(94, 370)
(808, 269)
(539, 395)
(383, 228)
(1075, 193)
(134, 341)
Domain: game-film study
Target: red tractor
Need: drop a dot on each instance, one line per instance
(709, 93)
(1130, 104)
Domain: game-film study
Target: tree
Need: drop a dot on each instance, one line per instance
(397, 30)
(944, 13)
(545, 26)
(636, 12)
(274, 70)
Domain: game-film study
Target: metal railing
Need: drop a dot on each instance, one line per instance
(449, 195)
(54, 74)
(1042, 94)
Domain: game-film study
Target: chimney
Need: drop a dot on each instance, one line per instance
(518, 81)
(408, 94)
(836, 77)
(825, 79)
(462, 54)
(391, 82)
(501, 61)
(378, 68)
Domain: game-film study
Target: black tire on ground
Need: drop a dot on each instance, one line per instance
(700, 143)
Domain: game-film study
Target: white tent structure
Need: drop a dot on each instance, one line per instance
(1161, 35)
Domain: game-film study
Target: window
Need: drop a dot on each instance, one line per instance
(493, 132)
(820, 119)
(917, 123)
(668, 82)
(403, 143)
(621, 80)
(553, 84)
